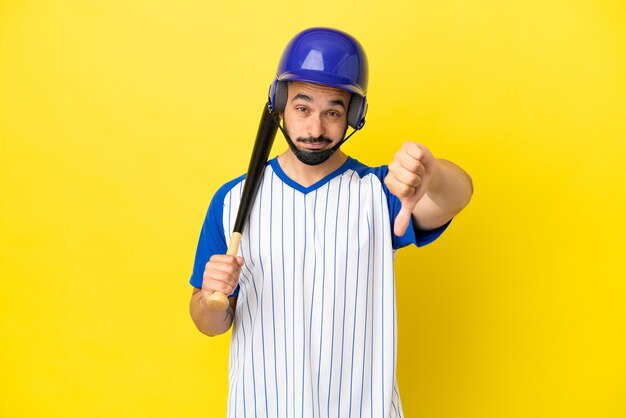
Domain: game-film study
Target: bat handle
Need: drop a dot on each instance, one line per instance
(218, 302)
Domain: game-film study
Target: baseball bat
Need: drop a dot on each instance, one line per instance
(260, 153)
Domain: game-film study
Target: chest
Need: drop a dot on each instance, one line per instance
(338, 221)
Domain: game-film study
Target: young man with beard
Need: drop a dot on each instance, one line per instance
(312, 293)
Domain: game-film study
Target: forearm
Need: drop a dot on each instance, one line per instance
(450, 188)
(449, 191)
(209, 322)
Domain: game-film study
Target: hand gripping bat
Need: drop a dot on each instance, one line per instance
(260, 153)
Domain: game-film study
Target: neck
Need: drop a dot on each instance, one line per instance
(307, 175)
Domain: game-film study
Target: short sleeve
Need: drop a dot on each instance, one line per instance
(212, 238)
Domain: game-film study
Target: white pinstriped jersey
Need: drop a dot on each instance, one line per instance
(314, 333)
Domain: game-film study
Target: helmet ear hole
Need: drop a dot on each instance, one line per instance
(356, 111)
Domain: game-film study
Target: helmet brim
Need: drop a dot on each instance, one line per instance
(322, 78)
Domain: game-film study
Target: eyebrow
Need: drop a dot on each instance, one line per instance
(336, 102)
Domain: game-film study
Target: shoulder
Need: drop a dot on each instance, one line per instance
(364, 170)
(226, 188)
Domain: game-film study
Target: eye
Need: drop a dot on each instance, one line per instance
(334, 114)
(302, 109)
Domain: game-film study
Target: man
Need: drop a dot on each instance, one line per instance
(312, 295)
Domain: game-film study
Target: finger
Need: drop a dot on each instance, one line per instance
(401, 222)
(414, 161)
(211, 286)
(398, 188)
(217, 279)
(420, 153)
(411, 164)
(225, 263)
(221, 268)
(224, 259)
(413, 149)
(405, 176)
(211, 275)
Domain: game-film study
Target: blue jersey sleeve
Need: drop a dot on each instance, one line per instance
(413, 234)
(212, 235)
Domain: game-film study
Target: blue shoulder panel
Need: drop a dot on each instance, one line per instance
(212, 235)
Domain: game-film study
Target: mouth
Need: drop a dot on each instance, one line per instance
(314, 144)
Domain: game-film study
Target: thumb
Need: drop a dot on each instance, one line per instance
(402, 220)
(239, 261)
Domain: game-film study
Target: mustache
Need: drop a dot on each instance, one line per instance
(318, 140)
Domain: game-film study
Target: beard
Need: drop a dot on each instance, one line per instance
(310, 140)
(311, 157)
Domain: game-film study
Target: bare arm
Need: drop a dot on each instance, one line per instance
(221, 274)
(210, 322)
(449, 191)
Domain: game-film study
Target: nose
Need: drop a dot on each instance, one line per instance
(316, 126)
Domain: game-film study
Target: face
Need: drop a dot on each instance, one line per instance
(315, 116)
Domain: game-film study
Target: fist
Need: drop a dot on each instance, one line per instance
(221, 274)
(408, 178)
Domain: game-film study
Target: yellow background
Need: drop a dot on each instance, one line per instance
(119, 119)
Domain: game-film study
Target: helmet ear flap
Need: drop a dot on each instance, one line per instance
(356, 111)
(278, 95)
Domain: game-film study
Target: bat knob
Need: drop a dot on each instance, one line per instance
(217, 302)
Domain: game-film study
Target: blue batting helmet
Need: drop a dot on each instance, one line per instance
(324, 56)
